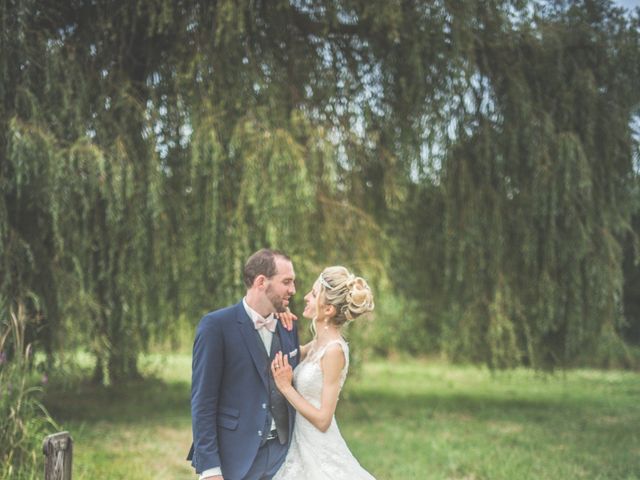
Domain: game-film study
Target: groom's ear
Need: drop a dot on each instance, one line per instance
(259, 281)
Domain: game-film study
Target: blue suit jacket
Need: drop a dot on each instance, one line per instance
(229, 390)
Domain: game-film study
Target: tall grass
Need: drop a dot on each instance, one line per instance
(23, 419)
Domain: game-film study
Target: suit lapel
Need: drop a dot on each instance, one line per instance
(253, 343)
(276, 344)
(285, 343)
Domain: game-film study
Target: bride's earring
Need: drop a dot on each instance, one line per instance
(326, 324)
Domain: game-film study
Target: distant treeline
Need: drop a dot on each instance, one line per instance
(476, 161)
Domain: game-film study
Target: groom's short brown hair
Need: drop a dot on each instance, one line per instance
(263, 262)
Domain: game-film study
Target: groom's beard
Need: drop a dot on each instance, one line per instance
(276, 300)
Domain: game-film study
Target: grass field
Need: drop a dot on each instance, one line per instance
(402, 420)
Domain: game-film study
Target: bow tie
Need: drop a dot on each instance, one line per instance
(269, 323)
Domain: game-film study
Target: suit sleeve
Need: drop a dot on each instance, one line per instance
(208, 355)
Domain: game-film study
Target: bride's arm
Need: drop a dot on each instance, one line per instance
(332, 363)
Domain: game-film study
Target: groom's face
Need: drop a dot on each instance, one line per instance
(281, 287)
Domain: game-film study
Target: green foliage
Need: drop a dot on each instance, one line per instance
(474, 160)
(536, 184)
(23, 420)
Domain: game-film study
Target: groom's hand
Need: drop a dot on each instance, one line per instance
(286, 318)
(215, 477)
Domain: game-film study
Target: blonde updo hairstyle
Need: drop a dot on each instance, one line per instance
(350, 295)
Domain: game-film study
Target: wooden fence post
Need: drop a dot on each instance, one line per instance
(58, 452)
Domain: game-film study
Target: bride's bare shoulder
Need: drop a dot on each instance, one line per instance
(334, 357)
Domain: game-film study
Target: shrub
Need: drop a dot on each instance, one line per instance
(23, 420)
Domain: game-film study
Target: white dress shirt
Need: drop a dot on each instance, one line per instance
(266, 336)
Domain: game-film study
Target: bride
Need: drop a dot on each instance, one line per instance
(318, 451)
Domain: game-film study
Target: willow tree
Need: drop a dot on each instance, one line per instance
(83, 190)
(148, 149)
(535, 181)
(478, 151)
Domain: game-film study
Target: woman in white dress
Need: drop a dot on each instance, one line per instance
(318, 451)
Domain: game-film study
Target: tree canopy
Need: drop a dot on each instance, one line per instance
(477, 160)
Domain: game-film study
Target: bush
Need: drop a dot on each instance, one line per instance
(23, 420)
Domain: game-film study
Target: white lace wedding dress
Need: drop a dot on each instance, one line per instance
(316, 455)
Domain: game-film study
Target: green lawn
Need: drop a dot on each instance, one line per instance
(402, 420)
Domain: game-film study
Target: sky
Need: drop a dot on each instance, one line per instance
(628, 3)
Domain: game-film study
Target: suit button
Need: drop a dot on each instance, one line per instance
(259, 433)
(264, 406)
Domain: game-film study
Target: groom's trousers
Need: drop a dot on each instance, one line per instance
(267, 462)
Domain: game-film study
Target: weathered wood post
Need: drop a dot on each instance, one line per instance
(58, 452)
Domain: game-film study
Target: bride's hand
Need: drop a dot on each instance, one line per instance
(282, 371)
(286, 318)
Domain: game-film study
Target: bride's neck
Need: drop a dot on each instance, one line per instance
(327, 332)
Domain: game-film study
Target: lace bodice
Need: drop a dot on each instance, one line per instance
(317, 455)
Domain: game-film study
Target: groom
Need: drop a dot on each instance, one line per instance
(241, 423)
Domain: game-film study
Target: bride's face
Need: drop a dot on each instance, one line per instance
(311, 302)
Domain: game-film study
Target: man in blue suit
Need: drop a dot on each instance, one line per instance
(242, 425)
